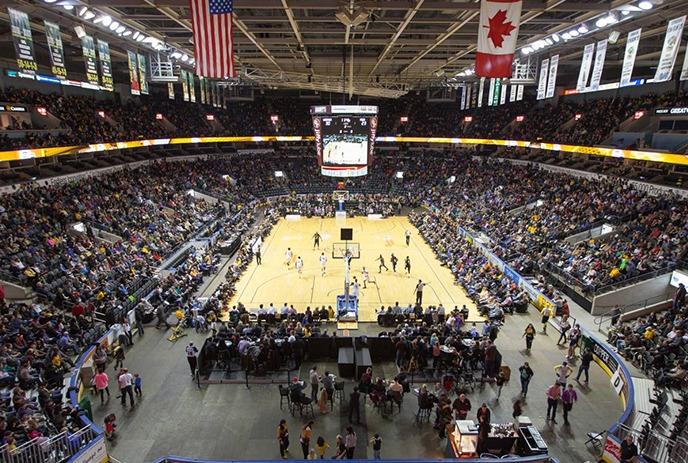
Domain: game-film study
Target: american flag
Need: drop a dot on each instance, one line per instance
(213, 42)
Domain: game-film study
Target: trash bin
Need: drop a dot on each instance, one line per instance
(85, 405)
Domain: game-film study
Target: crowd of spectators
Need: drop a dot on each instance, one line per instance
(90, 120)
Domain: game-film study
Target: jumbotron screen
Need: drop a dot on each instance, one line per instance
(344, 138)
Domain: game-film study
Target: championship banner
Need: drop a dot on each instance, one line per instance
(463, 98)
(469, 87)
(600, 55)
(502, 94)
(480, 92)
(170, 90)
(143, 73)
(672, 40)
(192, 86)
(684, 68)
(105, 65)
(52, 34)
(202, 81)
(552, 78)
(542, 82)
(474, 95)
(519, 93)
(223, 99)
(632, 42)
(584, 72)
(134, 85)
(23, 41)
(496, 93)
(512, 93)
(216, 95)
(497, 35)
(89, 48)
(490, 93)
(185, 85)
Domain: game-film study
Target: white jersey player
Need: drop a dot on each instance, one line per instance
(323, 263)
(355, 288)
(288, 256)
(299, 264)
(366, 277)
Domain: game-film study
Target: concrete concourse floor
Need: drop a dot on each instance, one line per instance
(223, 421)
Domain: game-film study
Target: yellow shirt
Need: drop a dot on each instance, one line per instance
(320, 450)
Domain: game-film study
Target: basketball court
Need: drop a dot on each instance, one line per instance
(274, 282)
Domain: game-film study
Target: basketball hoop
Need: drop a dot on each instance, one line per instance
(340, 195)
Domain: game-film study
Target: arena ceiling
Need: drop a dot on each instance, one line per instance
(382, 48)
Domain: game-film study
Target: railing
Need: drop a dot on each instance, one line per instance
(531, 459)
(608, 315)
(53, 449)
(629, 281)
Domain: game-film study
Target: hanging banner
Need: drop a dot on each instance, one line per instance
(192, 86)
(185, 85)
(216, 96)
(672, 40)
(684, 68)
(552, 78)
(223, 97)
(584, 72)
(202, 82)
(632, 41)
(463, 98)
(497, 36)
(52, 34)
(512, 93)
(542, 82)
(170, 90)
(519, 93)
(134, 86)
(89, 48)
(474, 95)
(502, 94)
(490, 92)
(23, 41)
(105, 65)
(468, 96)
(143, 73)
(496, 93)
(480, 92)
(600, 55)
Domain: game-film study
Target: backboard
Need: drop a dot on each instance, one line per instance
(339, 250)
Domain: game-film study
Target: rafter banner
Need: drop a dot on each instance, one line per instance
(497, 35)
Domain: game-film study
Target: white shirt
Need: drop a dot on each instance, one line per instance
(299, 263)
(288, 255)
(366, 277)
(124, 380)
(323, 260)
(354, 290)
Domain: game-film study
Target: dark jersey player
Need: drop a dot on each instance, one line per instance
(316, 240)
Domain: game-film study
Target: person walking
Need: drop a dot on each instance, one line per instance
(350, 442)
(340, 451)
(137, 385)
(354, 405)
(517, 410)
(394, 260)
(553, 394)
(259, 258)
(501, 379)
(564, 326)
(138, 319)
(377, 446)
(321, 447)
(407, 265)
(525, 375)
(125, 381)
(586, 359)
(563, 371)
(574, 338)
(126, 326)
(546, 314)
(118, 354)
(382, 264)
(283, 438)
(314, 378)
(102, 381)
(305, 438)
(529, 334)
(162, 317)
(568, 398)
(191, 352)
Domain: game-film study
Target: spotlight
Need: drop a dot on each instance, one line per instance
(80, 32)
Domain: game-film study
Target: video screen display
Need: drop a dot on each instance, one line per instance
(345, 140)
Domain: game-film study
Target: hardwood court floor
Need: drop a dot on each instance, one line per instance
(274, 282)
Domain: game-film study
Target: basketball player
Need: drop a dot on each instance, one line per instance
(323, 263)
(355, 288)
(288, 256)
(408, 237)
(258, 256)
(419, 292)
(382, 264)
(316, 240)
(407, 265)
(299, 265)
(394, 260)
(366, 278)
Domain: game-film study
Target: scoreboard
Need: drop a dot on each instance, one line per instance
(344, 138)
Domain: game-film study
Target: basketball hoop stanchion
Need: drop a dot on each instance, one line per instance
(347, 304)
(341, 196)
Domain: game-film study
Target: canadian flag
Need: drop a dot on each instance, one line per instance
(497, 34)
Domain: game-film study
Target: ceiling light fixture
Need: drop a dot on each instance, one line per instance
(68, 7)
(645, 5)
(574, 33)
(555, 37)
(120, 29)
(114, 25)
(126, 33)
(583, 29)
